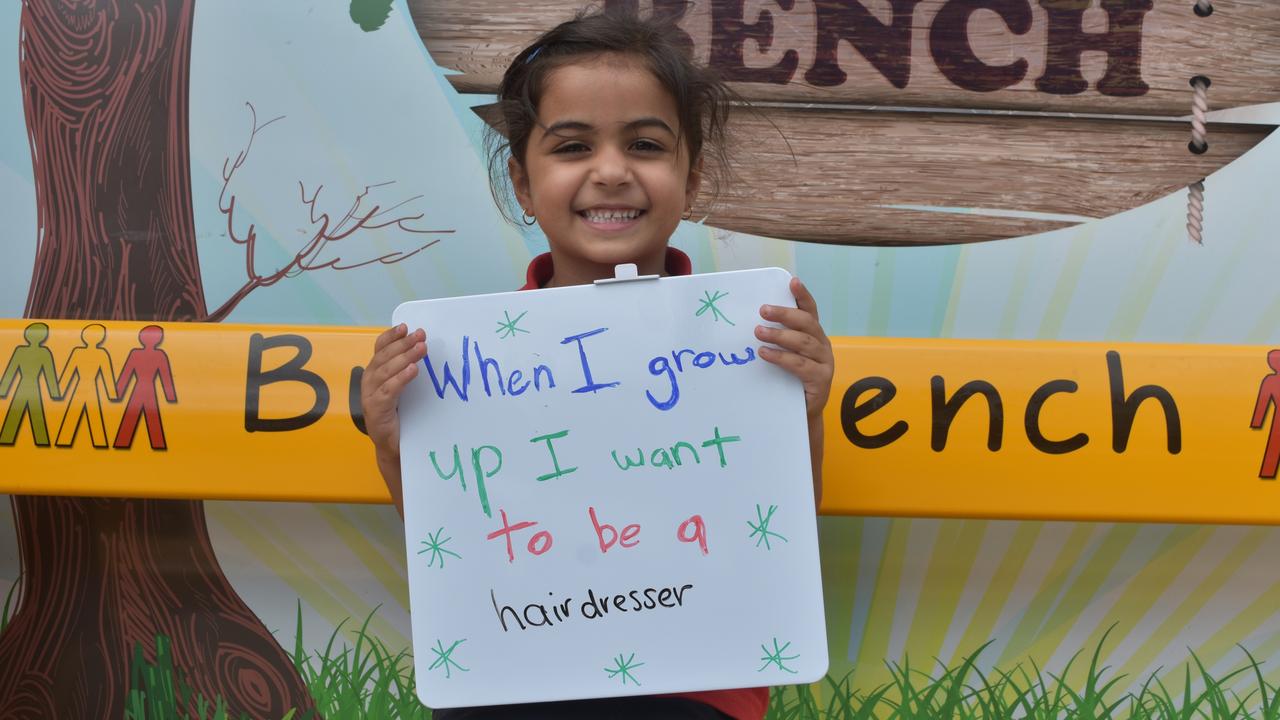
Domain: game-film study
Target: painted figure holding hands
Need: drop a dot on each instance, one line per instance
(146, 364)
(29, 364)
(86, 377)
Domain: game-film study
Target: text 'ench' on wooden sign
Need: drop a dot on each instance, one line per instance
(934, 121)
(607, 492)
(1130, 57)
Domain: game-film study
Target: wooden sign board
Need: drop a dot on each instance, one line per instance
(1125, 57)
(829, 81)
(608, 493)
(838, 176)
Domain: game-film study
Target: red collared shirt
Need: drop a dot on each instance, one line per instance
(541, 269)
(741, 704)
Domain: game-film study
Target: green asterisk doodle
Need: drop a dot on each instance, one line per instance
(709, 303)
(763, 528)
(510, 328)
(436, 547)
(624, 668)
(776, 657)
(444, 658)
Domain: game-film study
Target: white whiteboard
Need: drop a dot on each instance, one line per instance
(587, 372)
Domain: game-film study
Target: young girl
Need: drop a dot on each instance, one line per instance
(608, 124)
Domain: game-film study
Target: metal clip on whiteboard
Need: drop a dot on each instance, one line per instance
(626, 272)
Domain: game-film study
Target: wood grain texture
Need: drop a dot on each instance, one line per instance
(935, 49)
(105, 93)
(838, 174)
(862, 177)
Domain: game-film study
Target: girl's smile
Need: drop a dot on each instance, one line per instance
(606, 171)
(610, 219)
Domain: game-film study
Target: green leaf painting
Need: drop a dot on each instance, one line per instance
(370, 14)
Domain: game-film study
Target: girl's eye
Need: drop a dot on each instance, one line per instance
(571, 147)
(646, 146)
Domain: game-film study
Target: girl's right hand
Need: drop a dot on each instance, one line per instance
(396, 353)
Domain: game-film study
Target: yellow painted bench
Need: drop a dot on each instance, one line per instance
(946, 428)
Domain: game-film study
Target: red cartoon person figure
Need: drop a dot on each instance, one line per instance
(85, 377)
(1269, 396)
(145, 364)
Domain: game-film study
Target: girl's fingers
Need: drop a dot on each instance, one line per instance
(795, 341)
(794, 318)
(804, 299)
(378, 400)
(389, 335)
(394, 385)
(390, 367)
(395, 340)
(396, 347)
(802, 367)
(379, 370)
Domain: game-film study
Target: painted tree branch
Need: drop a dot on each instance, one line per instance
(317, 253)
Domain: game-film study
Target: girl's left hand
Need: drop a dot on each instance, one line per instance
(805, 350)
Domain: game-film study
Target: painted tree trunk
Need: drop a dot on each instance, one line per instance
(105, 89)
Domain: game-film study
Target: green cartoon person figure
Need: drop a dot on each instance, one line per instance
(87, 374)
(28, 364)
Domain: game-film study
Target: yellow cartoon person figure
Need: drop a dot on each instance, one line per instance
(87, 374)
(28, 364)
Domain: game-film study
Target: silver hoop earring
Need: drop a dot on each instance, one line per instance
(528, 219)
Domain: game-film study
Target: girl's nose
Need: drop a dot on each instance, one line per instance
(611, 167)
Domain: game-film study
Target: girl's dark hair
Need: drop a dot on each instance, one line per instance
(702, 99)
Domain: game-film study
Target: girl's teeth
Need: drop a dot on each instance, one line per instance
(611, 215)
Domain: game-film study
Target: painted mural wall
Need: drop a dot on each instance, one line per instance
(298, 116)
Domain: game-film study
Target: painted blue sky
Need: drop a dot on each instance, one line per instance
(362, 108)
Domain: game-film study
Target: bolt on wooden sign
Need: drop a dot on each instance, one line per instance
(832, 79)
(615, 480)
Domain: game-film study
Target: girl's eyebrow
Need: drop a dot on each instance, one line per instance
(644, 122)
(570, 126)
(562, 126)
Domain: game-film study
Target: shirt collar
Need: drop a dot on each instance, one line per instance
(541, 268)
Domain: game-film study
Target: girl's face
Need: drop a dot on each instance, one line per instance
(605, 172)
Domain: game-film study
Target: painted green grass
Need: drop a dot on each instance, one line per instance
(362, 682)
(367, 681)
(964, 693)
(157, 690)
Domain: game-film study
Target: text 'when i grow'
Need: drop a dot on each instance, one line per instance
(495, 380)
